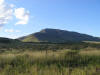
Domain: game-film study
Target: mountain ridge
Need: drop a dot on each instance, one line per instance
(57, 35)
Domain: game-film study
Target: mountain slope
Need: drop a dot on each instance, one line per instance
(56, 35)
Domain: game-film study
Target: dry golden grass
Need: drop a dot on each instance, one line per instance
(43, 54)
(94, 42)
(37, 69)
(90, 52)
(34, 54)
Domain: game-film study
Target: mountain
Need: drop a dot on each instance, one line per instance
(57, 35)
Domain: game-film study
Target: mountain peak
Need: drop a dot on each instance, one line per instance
(48, 29)
(52, 30)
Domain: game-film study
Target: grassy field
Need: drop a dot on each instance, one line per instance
(60, 62)
(72, 58)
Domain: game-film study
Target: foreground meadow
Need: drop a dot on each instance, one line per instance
(60, 62)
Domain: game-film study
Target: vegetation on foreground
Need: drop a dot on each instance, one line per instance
(72, 58)
(61, 62)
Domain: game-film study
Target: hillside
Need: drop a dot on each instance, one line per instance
(57, 35)
(8, 41)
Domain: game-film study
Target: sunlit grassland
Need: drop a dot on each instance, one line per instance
(60, 62)
(34, 54)
(90, 51)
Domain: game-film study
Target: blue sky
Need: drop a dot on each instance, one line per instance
(74, 15)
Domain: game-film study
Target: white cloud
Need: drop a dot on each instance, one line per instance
(22, 15)
(9, 12)
(1, 2)
(11, 30)
(6, 13)
(17, 31)
(13, 36)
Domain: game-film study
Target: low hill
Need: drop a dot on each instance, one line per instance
(57, 35)
(8, 41)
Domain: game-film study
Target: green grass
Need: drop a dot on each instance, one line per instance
(62, 62)
(30, 39)
(50, 58)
